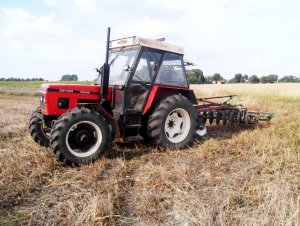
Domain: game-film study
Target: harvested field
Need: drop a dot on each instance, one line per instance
(235, 176)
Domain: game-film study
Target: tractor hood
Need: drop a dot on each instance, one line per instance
(71, 88)
(64, 97)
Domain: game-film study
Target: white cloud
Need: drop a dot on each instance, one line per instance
(150, 28)
(23, 21)
(17, 13)
(16, 44)
(87, 4)
(24, 28)
(261, 62)
(51, 2)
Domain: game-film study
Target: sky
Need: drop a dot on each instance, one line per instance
(50, 38)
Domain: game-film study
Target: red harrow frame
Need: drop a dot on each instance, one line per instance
(223, 111)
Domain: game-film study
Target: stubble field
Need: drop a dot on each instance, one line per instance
(235, 176)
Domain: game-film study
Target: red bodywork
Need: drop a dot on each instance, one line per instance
(74, 92)
(158, 92)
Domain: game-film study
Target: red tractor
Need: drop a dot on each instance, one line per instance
(141, 93)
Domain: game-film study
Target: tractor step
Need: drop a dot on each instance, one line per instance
(135, 138)
(133, 126)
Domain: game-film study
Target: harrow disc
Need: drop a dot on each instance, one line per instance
(231, 117)
(210, 117)
(204, 117)
(247, 119)
(239, 117)
(224, 118)
(218, 117)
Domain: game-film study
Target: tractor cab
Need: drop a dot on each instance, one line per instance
(141, 72)
(137, 65)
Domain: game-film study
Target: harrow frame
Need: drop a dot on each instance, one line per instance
(210, 109)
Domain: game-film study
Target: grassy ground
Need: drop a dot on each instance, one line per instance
(27, 88)
(235, 176)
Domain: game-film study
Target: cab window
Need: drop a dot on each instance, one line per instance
(146, 68)
(171, 71)
(141, 80)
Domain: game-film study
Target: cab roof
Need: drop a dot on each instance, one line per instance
(140, 41)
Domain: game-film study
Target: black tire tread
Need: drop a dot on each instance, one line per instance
(156, 121)
(58, 128)
(35, 130)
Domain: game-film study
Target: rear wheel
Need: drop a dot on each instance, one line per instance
(79, 136)
(173, 123)
(38, 129)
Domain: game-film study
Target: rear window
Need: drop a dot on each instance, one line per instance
(171, 71)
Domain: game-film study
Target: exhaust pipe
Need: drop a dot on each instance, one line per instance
(105, 70)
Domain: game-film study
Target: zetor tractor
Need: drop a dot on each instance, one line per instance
(141, 93)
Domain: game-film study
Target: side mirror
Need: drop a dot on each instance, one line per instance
(98, 70)
(126, 67)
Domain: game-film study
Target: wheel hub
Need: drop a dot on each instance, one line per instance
(177, 125)
(83, 138)
(171, 124)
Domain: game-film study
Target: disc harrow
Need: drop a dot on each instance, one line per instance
(211, 110)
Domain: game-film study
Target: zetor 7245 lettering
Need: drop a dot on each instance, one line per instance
(141, 93)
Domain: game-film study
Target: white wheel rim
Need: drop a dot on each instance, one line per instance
(45, 130)
(94, 134)
(177, 125)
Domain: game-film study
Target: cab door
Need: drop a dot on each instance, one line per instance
(142, 80)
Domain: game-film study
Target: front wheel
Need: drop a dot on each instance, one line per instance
(79, 136)
(38, 130)
(173, 123)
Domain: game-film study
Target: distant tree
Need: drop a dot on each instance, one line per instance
(253, 79)
(269, 78)
(244, 79)
(200, 76)
(216, 77)
(191, 77)
(231, 80)
(237, 78)
(290, 78)
(272, 78)
(208, 79)
(195, 76)
(69, 78)
(263, 79)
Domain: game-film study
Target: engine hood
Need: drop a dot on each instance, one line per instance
(56, 99)
(71, 88)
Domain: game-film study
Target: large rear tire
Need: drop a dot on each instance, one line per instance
(38, 130)
(172, 124)
(79, 136)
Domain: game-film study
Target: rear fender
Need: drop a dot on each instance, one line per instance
(159, 92)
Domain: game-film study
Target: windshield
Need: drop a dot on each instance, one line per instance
(120, 63)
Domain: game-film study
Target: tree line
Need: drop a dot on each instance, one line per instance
(67, 77)
(196, 76)
(12, 79)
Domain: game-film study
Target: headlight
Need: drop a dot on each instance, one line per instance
(43, 101)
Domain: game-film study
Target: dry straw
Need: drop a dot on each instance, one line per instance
(234, 176)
